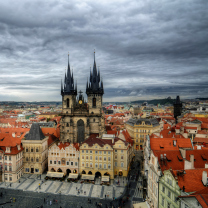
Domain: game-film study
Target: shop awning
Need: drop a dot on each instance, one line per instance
(55, 174)
(105, 178)
(73, 175)
(88, 177)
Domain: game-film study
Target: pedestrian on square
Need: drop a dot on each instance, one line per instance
(44, 200)
(50, 202)
(105, 196)
(76, 188)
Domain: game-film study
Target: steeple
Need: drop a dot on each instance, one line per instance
(69, 88)
(94, 86)
(177, 109)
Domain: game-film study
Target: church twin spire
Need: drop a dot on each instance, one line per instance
(69, 87)
(95, 86)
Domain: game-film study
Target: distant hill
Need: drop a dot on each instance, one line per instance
(201, 98)
(165, 101)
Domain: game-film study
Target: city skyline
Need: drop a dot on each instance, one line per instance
(144, 49)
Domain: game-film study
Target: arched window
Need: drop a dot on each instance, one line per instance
(67, 102)
(94, 102)
(67, 125)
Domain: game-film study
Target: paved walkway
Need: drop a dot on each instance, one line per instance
(37, 183)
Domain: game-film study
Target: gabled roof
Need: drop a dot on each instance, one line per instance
(173, 159)
(35, 133)
(101, 142)
(191, 180)
(200, 157)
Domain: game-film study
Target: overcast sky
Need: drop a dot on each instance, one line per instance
(145, 49)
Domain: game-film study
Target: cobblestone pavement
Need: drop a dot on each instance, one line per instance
(31, 190)
(33, 200)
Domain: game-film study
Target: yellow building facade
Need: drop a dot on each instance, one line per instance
(35, 151)
(105, 157)
(140, 128)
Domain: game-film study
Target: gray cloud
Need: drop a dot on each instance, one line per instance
(145, 49)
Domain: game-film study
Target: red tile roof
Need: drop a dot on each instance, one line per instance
(201, 196)
(167, 143)
(191, 180)
(66, 144)
(173, 159)
(200, 157)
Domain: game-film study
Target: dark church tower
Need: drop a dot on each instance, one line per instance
(95, 91)
(177, 109)
(79, 119)
(69, 93)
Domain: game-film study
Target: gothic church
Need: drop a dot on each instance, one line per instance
(81, 119)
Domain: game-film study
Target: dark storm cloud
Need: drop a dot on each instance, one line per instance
(145, 49)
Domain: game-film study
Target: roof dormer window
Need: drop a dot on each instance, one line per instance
(8, 149)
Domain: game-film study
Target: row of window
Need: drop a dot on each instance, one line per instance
(96, 152)
(32, 150)
(142, 130)
(28, 170)
(168, 203)
(140, 140)
(66, 154)
(96, 165)
(59, 163)
(169, 194)
(122, 164)
(32, 159)
(7, 167)
(141, 136)
(6, 157)
(96, 158)
(100, 165)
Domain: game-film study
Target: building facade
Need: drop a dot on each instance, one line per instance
(11, 162)
(140, 128)
(35, 150)
(106, 156)
(63, 157)
(81, 119)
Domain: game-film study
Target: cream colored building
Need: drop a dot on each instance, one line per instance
(108, 156)
(11, 163)
(140, 128)
(35, 150)
(63, 157)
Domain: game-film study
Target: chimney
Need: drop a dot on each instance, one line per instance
(206, 165)
(161, 159)
(192, 161)
(174, 143)
(165, 159)
(13, 134)
(204, 178)
(183, 153)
